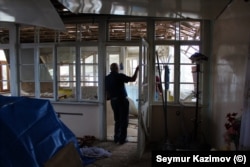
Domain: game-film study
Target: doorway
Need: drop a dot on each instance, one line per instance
(128, 59)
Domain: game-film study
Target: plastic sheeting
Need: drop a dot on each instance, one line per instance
(30, 132)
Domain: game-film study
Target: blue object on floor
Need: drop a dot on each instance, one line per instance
(30, 132)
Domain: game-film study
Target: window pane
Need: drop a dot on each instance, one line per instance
(165, 55)
(160, 91)
(27, 56)
(165, 30)
(66, 72)
(138, 30)
(89, 31)
(66, 91)
(187, 51)
(27, 80)
(46, 72)
(70, 34)
(187, 92)
(46, 64)
(47, 35)
(4, 71)
(89, 73)
(127, 30)
(117, 31)
(27, 34)
(4, 35)
(27, 72)
(189, 30)
(27, 89)
(186, 73)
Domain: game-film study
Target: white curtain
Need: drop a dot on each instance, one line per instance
(245, 121)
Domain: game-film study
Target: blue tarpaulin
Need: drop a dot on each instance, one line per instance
(30, 132)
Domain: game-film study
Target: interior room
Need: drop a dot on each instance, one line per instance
(194, 59)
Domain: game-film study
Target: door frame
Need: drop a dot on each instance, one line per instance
(143, 119)
(144, 100)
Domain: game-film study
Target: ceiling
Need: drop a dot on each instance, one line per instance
(195, 9)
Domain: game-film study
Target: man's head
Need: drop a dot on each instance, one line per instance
(114, 67)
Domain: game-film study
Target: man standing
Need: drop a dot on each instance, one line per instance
(116, 92)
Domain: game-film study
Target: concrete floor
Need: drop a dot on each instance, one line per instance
(122, 156)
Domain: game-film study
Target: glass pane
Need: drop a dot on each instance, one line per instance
(187, 51)
(27, 34)
(4, 55)
(160, 91)
(66, 91)
(46, 72)
(186, 73)
(89, 75)
(46, 90)
(165, 55)
(138, 30)
(70, 34)
(27, 73)
(127, 30)
(66, 55)
(4, 35)
(27, 56)
(89, 31)
(5, 85)
(189, 30)
(89, 92)
(4, 70)
(27, 89)
(66, 72)
(47, 35)
(117, 31)
(187, 92)
(165, 30)
(46, 64)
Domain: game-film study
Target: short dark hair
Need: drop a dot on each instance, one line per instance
(114, 67)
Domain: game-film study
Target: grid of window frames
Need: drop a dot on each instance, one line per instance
(39, 81)
(174, 72)
(178, 41)
(89, 73)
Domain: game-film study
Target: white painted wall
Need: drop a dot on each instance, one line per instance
(86, 124)
(231, 41)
